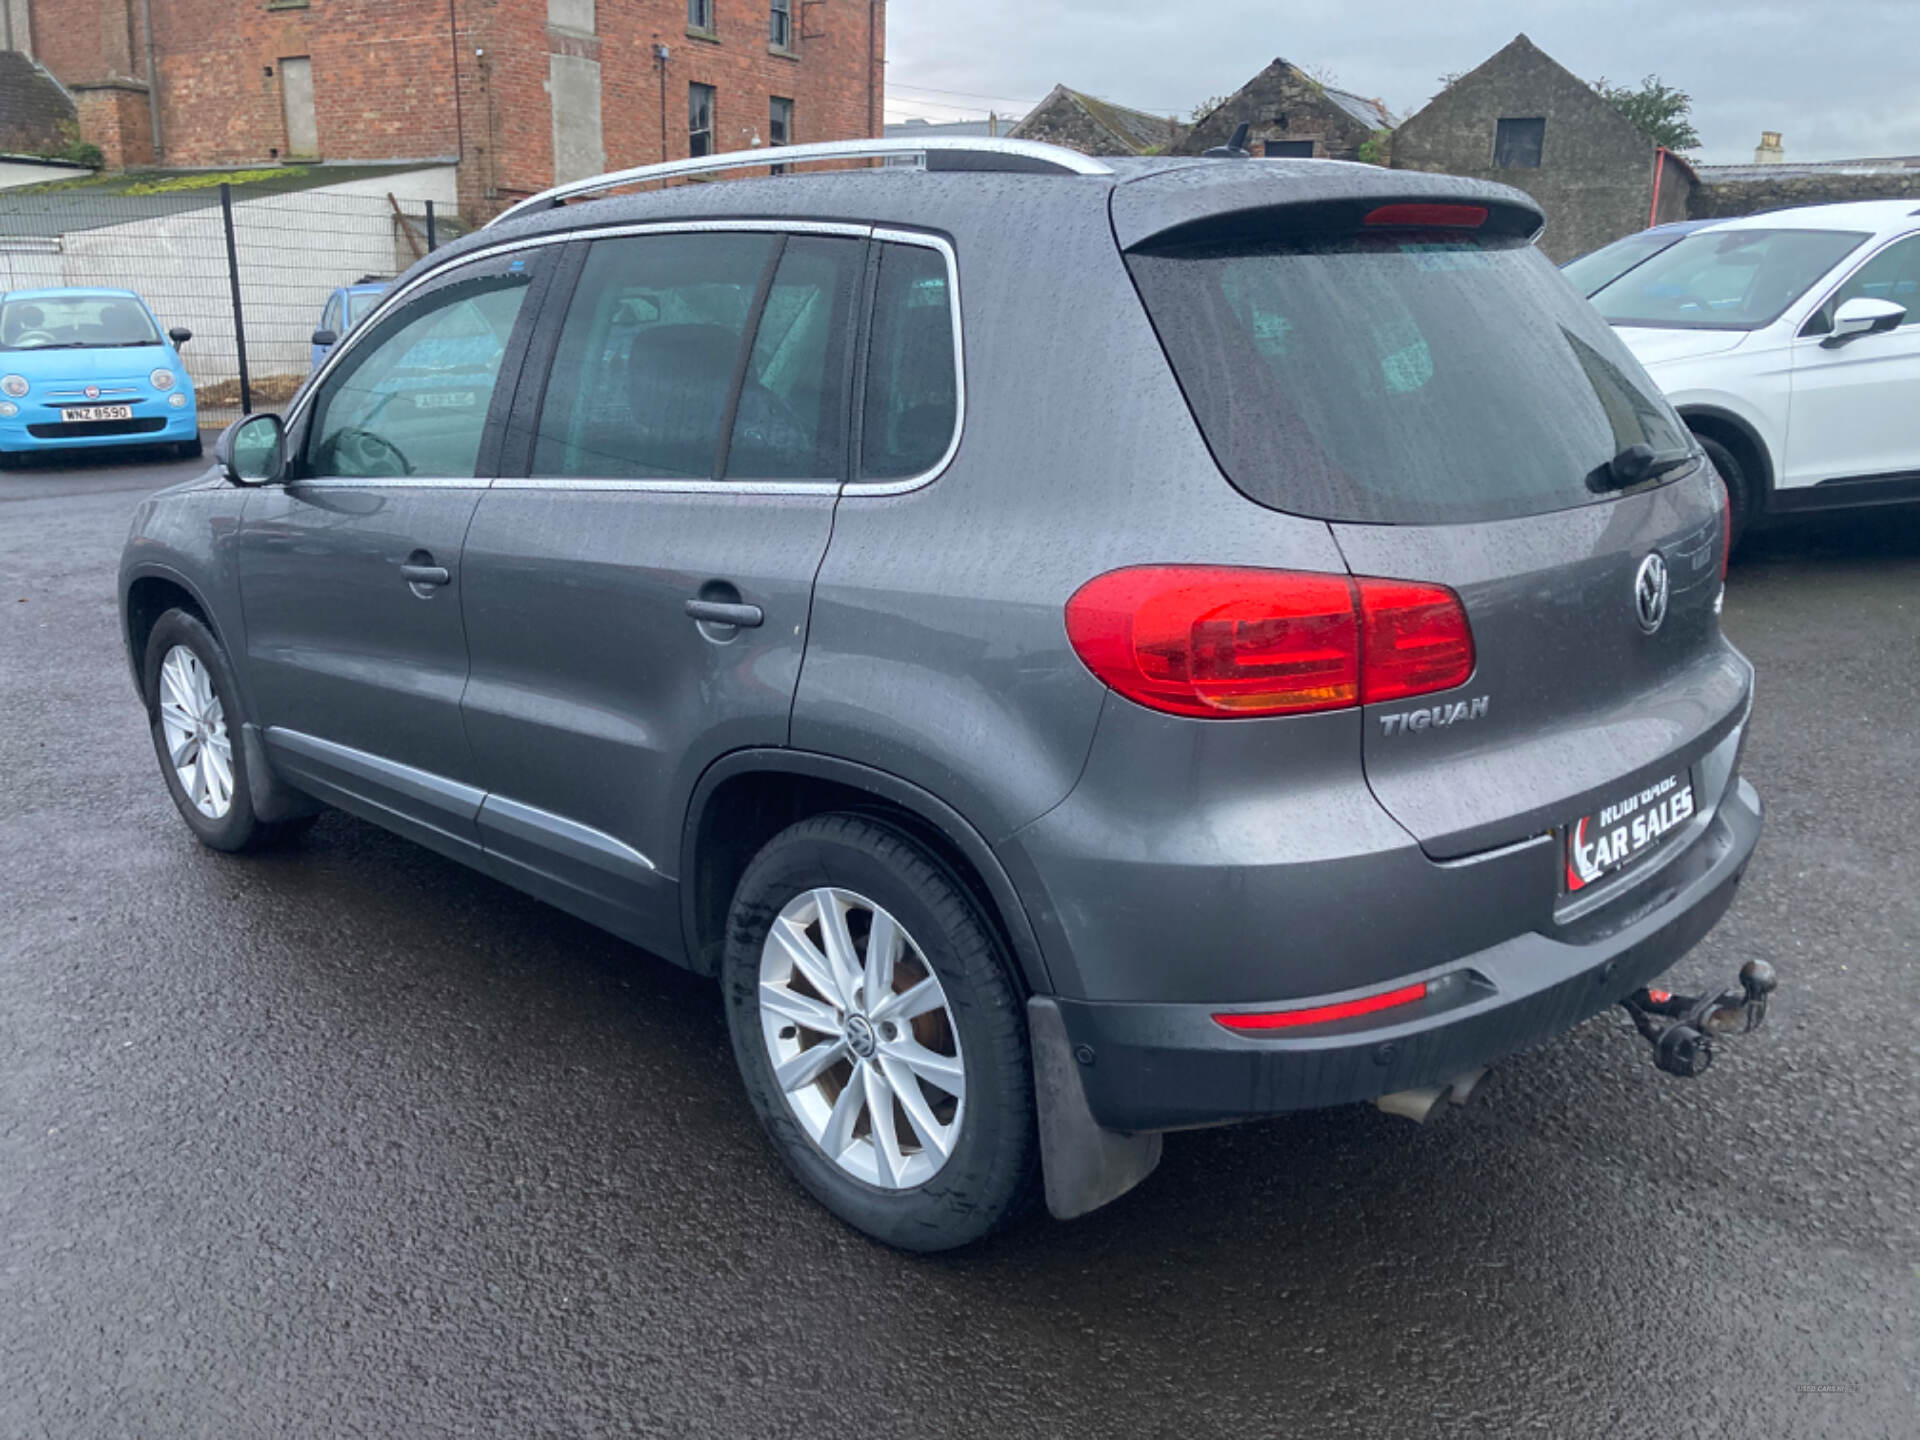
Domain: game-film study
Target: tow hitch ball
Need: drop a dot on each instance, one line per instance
(1683, 1045)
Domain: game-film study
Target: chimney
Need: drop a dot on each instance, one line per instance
(1769, 151)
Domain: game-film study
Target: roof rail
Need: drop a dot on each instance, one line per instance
(932, 152)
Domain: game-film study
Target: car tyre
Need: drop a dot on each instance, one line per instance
(190, 449)
(957, 1167)
(1739, 489)
(195, 721)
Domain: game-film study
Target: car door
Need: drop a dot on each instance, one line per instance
(637, 596)
(1851, 415)
(350, 571)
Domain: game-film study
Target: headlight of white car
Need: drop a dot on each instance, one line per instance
(14, 385)
(162, 379)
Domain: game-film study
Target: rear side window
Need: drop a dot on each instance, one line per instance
(1402, 377)
(648, 356)
(911, 403)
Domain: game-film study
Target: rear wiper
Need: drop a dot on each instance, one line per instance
(1637, 463)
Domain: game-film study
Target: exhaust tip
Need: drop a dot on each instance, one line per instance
(1414, 1105)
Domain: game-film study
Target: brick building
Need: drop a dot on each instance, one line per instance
(517, 92)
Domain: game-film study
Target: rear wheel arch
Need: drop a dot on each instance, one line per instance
(746, 798)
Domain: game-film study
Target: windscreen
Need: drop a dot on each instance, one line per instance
(1725, 279)
(1597, 269)
(74, 322)
(1401, 377)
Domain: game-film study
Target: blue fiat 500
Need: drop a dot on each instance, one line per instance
(90, 367)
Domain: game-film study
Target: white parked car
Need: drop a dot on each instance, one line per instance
(1790, 342)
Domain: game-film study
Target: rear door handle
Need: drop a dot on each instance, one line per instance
(425, 574)
(719, 612)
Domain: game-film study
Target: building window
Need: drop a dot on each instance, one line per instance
(780, 25)
(1517, 144)
(700, 16)
(699, 120)
(779, 127)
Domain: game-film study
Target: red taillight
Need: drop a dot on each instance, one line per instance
(1320, 1014)
(1416, 640)
(1451, 217)
(1225, 642)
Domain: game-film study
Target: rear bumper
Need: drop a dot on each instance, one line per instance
(1165, 1066)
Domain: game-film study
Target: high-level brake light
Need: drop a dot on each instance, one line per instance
(1447, 217)
(1222, 642)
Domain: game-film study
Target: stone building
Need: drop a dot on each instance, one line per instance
(518, 92)
(1524, 120)
(1096, 127)
(1289, 113)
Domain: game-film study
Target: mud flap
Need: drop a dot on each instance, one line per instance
(273, 799)
(1085, 1166)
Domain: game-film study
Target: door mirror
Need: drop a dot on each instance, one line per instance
(1864, 316)
(179, 334)
(253, 451)
(325, 338)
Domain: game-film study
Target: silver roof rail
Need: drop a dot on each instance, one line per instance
(975, 153)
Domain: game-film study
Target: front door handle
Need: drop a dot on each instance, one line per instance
(425, 574)
(719, 612)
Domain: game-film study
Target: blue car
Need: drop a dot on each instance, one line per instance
(87, 367)
(346, 308)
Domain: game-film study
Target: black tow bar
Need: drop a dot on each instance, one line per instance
(1683, 1045)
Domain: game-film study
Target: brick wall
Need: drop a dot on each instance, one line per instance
(384, 77)
(114, 116)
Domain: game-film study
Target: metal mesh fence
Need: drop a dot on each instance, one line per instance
(250, 277)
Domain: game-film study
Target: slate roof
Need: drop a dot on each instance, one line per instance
(1368, 112)
(1134, 130)
(1883, 165)
(35, 113)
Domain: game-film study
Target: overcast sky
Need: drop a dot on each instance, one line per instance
(1837, 76)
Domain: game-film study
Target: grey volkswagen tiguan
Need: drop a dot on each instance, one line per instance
(1079, 649)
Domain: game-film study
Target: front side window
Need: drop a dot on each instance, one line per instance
(1893, 274)
(75, 322)
(1518, 144)
(412, 397)
(699, 120)
(780, 25)
(648, 356)
(912, 399)
(1725, 279)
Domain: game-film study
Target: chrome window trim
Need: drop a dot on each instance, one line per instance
(388, 482)
(858, 487)
(665, 486)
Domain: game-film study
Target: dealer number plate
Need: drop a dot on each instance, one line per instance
(97, 412)
(1619, 833)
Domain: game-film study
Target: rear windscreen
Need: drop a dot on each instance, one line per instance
(1400, 378)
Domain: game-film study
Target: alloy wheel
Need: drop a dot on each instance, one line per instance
(195, 725)
(862, 1038)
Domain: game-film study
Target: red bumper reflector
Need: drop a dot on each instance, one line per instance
(1453, 217)
(1320, 1014)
